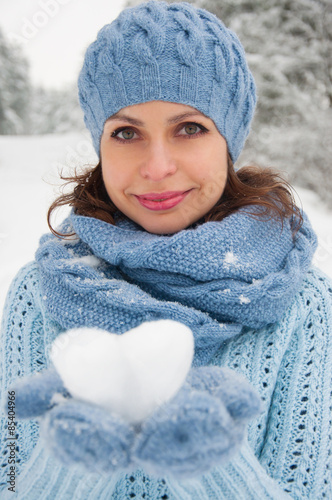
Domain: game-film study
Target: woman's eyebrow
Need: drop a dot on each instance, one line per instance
(123, 117)
(134, 121)
(183, 116)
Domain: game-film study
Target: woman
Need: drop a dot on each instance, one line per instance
(163, 228)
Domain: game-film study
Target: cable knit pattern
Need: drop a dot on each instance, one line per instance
(289, 363)
(170, 52)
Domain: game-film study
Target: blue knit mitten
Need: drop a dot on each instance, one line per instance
(38, 393)
(202, 426)
(79, 433)
(74, 431)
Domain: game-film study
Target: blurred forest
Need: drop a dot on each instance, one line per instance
(25, 109)
(289, 50)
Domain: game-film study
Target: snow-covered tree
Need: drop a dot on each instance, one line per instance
(14, 88)
(25, 109)
(289, 46)
(55, 111)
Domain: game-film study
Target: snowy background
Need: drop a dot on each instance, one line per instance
(55, 33)
(42, 42)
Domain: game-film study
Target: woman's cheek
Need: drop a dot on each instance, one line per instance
(112, 174)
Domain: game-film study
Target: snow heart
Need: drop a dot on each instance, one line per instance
(129, 374)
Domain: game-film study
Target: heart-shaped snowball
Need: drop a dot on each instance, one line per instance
(129, 374)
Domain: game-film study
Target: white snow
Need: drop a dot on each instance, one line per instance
(230, 258)
(58, 398)
(29, 182)
(89, 260)
(244, 300)
(129, 374)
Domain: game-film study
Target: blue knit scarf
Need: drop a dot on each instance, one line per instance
(215, 277)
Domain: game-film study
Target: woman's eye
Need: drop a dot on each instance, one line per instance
(192, 129)
(127, 134)
(123, 134)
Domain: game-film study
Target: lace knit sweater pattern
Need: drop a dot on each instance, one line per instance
(288, 452)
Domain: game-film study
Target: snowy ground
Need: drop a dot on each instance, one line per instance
(29, 182)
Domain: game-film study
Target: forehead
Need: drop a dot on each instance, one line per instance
(166, 111)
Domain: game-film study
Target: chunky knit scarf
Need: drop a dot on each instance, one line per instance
(215, 277)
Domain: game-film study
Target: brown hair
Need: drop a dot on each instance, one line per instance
(249, 186)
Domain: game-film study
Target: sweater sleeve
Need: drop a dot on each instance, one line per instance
(21, 353)
(288, 454)
(297, 448)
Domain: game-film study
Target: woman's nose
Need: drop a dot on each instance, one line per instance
(157, 162)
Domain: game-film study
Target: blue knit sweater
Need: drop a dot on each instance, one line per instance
(288, 451)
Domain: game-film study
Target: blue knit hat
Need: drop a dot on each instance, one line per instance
(169, 52)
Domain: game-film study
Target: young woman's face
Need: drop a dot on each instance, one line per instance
(163, 151)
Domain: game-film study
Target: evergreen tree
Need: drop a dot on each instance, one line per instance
(25, 109)
(55, 111)
(14, 88)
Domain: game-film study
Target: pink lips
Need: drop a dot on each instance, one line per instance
(168, 199)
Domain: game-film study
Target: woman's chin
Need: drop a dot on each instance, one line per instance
(163, 223)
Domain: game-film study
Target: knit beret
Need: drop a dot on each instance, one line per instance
(168, 52)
